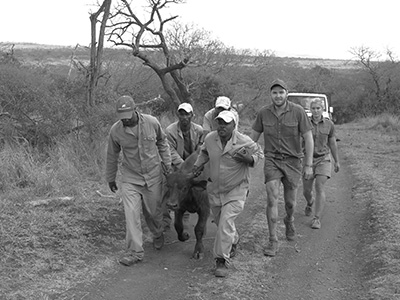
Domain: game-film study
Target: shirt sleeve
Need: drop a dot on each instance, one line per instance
(163, 146)
(113, 150)
(258, 123)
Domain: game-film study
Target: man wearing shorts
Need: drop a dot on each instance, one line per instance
(284, 124)
(324, 145)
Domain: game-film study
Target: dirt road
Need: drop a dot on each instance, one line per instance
(321, 264)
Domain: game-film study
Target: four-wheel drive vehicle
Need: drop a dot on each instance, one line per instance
(304, 99)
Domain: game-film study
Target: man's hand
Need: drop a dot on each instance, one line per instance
(197, 170)
(336, 166)
(308, 172)
(113, 186)
(243, 156)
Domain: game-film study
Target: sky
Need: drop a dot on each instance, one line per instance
(327, 29)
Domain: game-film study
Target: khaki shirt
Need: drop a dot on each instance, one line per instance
(225, 172)
(143, 147)
(282, 134)
(177, 142)
(322, 132)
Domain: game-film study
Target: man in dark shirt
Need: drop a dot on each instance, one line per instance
(283, 124)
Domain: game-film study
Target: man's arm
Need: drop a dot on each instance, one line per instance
(309, 150)
(333, 146)
(163, 147)
(255, 135)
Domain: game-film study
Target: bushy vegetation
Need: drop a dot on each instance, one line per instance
(52, 144)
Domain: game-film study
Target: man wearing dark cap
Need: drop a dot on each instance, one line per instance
(184, 137)
(144, 148)
(283, 124)
(230, 155)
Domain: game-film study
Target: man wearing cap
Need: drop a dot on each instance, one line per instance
(184, 137)
(144, 148)
(209, 122)
(283, 124)
(230, 155)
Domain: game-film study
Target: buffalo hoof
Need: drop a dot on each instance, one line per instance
(198, 255)
(184, 237)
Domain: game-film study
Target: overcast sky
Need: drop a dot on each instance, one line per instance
(304, 28)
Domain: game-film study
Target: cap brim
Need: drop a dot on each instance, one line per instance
(125, 115)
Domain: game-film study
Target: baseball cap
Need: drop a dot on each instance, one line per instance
(279, 82)
(227, 116)
(125, 107)
(186, 107)
(223, 102)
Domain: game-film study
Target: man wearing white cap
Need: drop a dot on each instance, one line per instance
(184, 137)
(209, 122)
(230, 155)
(144, 147)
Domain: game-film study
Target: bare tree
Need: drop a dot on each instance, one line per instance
(147, 40)
(96, 48)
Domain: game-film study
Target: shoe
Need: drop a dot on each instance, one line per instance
(316, 223)
(290, 230)
(129, 259)
(271, 249)
(232, 254)
(158, 242)
(308, 210)
(221, 269)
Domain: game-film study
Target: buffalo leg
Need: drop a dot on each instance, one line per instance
(200, 231)
(178, 223)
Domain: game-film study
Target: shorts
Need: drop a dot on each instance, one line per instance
(322, 166)
(288, 170)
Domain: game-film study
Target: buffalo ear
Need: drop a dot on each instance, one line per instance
(200, 183)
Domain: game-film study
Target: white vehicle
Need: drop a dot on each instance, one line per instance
(304, 99)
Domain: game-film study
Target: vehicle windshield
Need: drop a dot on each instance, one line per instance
(305, 101)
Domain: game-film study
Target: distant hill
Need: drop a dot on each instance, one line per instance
(83, 50)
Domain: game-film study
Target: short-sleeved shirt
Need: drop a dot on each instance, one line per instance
(322, 131)
(282, 134)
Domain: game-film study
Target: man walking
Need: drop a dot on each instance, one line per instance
(283, 124)
(184, 138)
(230, 154)
(144, 147)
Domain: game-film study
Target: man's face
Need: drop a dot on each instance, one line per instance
(278, 96)
(225, 129)
(130, 122)
(184, 117)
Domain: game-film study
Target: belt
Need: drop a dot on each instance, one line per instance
(280, 156)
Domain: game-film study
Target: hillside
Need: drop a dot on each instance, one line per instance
(53, 54)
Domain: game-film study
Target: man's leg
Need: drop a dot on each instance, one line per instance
(272, 216)
(131, 199)
(152, 211)
(226, 234)
(307, 193)
(272, 206)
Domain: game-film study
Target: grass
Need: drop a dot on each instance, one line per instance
(373, 146)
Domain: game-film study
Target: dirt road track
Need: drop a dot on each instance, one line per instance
(322, 264)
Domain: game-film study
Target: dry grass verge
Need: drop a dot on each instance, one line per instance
(373, 146)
